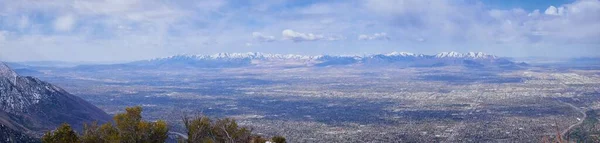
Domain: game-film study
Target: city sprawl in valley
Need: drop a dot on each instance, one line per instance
(448, 97)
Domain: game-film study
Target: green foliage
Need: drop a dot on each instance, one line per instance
(91, 133)
(154, 132)
(199, 129)
(202, 129)
(109, 133)
(63, 134)
(127, 124)
(129, 128)
(258, 139)
(278, 139)
(227, 130)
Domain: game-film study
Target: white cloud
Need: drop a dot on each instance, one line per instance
(64, 23)
(551, 11)
(376, 36)
(152, 28)
(535, 13)
(574, 23)
(299, 37)
(461, 23)
(262, 38)
(555, 11)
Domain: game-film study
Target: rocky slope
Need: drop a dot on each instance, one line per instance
(30, 105)
(8, 135)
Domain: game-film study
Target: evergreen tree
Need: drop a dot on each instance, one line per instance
(63, 134)
(109, 133)
(278, 139)
(198, 129)
(202, 129)
(91, 133)
(258, 139)
(227, 130)
(128, 124)
(130, 128)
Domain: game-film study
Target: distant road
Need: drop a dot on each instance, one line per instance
(564, 132)
(180, 134)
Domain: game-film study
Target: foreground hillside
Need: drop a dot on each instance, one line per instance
(32, 106)
(12, 136)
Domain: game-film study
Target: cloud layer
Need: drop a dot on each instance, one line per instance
(262, 38)
(376, 36)
(299, 37)
(132, 29)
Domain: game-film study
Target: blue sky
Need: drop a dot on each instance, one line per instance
(125, 30)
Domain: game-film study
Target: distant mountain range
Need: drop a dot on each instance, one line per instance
(266, 56)
(32, 106)
(401, 59)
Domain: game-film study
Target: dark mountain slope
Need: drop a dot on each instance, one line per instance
(30, 105)
(8, 135)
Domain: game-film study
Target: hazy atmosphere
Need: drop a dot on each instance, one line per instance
(299, 71)
(117, 30)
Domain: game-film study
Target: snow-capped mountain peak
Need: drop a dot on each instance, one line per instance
(479, 55)
(449, 55)
(268, 56)
(227, 60)
(404, 54)
(237, 55)
(474, 55)
(248, 55)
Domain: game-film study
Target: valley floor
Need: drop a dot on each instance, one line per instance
(354, 104)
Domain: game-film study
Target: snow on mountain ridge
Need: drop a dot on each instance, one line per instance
(452, 54)
(31, 104)
(6, 72)
(249, 55)
(400, 54)
(268, 56)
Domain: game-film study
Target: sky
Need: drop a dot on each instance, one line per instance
(127, 30)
